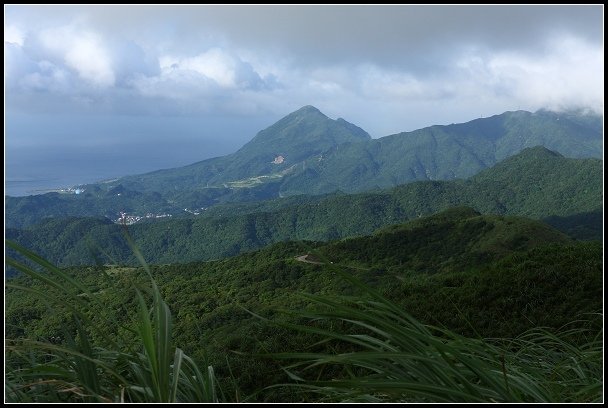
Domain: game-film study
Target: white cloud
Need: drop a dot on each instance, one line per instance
(226, 69)
(213, 64)
(82, 51)
(14, 35)
(174, 83)
(569, 74)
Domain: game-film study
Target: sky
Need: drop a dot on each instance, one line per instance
(137, 88)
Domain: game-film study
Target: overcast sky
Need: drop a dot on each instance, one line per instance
(229, 71)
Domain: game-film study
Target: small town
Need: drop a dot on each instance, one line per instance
(128, 219)
(195, 211)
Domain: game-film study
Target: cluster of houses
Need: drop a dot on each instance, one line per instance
(128, 219)
(196, 211)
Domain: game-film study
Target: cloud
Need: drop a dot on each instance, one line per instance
(389, 68)
(211, 82)
(48, 77)
(421, 38)
(13, 35)
(568, 74)
(82, 51)
(224, 68)
(130, 60)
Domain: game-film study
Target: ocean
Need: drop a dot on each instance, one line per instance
(47, 152)
(30, 172)
(26, 175)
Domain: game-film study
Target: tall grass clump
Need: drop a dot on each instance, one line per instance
(143, 367)
(388, 356)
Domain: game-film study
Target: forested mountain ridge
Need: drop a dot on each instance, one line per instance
(320, 155)
(308, 153)
(448, 152)
(482, 276)
(536, 183)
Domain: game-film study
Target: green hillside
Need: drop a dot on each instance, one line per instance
(537, 183)
(481, 276)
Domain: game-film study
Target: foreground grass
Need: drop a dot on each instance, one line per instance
(380, 354)
(398, 359)
(144, 367)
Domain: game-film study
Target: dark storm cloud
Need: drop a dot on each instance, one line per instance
(380, 34)
(384, 34)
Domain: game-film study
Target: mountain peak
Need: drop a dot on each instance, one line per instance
(538, 151)
(307, 131)
(527, 163)
(307, 112)
(308, 109)
(300, 136)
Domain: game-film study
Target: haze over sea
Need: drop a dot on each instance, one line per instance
(50, 159)
(37, 173)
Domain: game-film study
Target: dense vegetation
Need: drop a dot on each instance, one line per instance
(536, 183)
(308, 153)
(475, 275)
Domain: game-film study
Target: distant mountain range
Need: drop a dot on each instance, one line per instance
(536, 183)
(308, 153)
